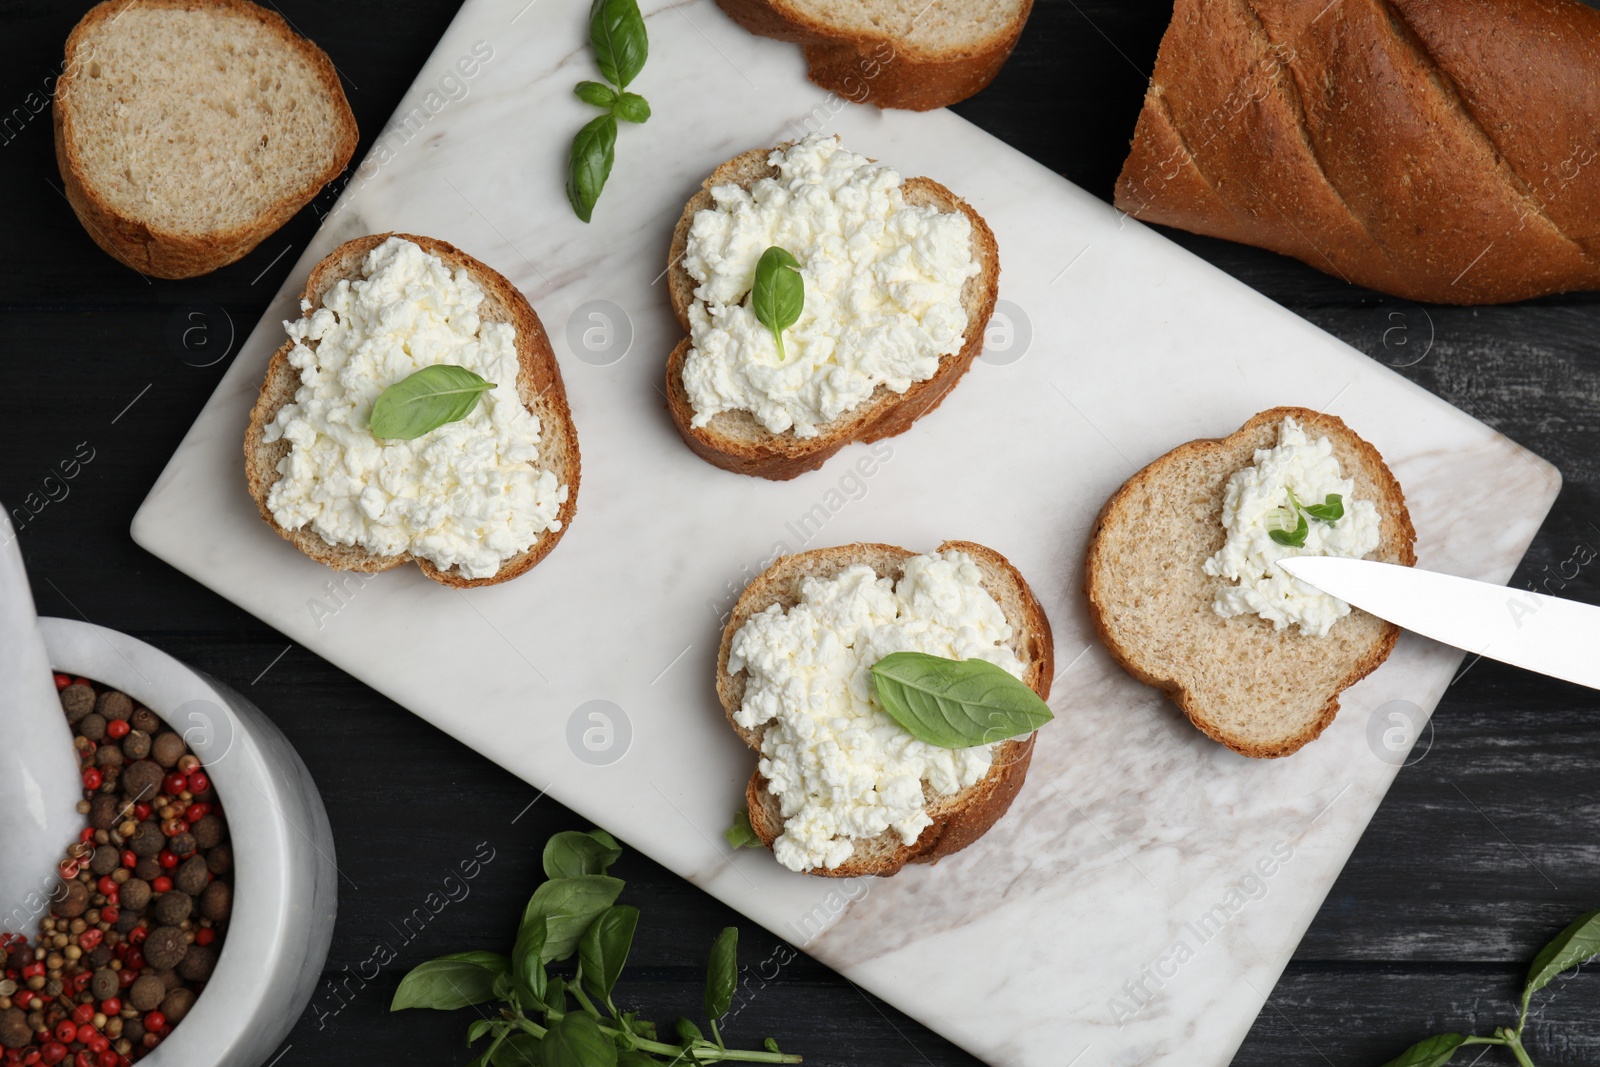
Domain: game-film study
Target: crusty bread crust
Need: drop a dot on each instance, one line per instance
(1262, 692)
(1402, 145)
(151, 249)
(958, 819)
(538, 384)
(735, 440)
(885, 70)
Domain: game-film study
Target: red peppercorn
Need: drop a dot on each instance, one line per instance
(137, 935)
(155, 1022)
(161, 884)
(69, 870)
(34, 969)
(83, 681)
(88, 941)
(80, 982)
(98, 1043)
(62, 681)
(173, 827)
(109, 913)
(91, 778)
(110, 1006)
(196, 811)
(127, 976)
(134, 960)
(118, 729)
(129, 859)
(173, 784)
(198, 782)
(141, 811)
(85, 1030)
(107, 1058)
(86, 834)
(167, 860)
(54, 1051)
(66, 1031)
(84, 1058)
(204, 936)
(106, 885)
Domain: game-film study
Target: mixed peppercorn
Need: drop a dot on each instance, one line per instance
(138, 917)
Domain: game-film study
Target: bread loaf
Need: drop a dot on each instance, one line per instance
(1439, 150)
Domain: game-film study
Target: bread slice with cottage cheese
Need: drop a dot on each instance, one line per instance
(1263, 692)
(736, 440)
(538, 385)
(893, 53)
(959, 819)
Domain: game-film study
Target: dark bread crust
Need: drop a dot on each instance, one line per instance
(538, 384)
(881, 69)
(959, 819)
(734, 440)
(163, 253)
(1412, 146)
(1126, 607)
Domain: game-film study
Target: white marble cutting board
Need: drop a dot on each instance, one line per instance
(1148, 886)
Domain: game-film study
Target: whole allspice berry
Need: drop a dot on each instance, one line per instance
(77, 701)
(169, 978)
(147, 992)
(100, 957)
(136, 745)
(147, 840)
(208, 831)
(147, 868)
(199, 963)
(172, 907)
(15, 1030)
(182, 845)
(70, 900)
(167, 748)
(216, 903)
(92, 726)
(145, 719)
(165, 947)
(108, 756)
(103, 811)
(133, 1029)
(127, 919)
(114, 705)
(135, 894)
(142, 780)
(103, 984)
(220, 859)
(176, 1004)
(104, 861)
(192, 877)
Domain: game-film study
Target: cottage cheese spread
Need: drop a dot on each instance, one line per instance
(883, 286)
(467, 494)
(842, 768)
(1249, 557)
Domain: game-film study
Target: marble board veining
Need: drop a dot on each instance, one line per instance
(1148, 886)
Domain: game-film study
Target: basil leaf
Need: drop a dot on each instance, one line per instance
(632, 107)
(518, 1050)
(1433, 1052)
(636, 1059)
(1571, 947)
(527, 958)
(1330, 511)
(956, 703)
(1295, 538)
(478, 1028)
(450, 982)
(741, 834)
(576, 1040)
(555, 997)
(779, 293)
(424, 401)
(594, 149)
(619, 40)
(603, 949)
(771, 1045)
(722, 973)
(687, 1031)
(597, 93)
(568, 906)
(605, 839)
(570, 853)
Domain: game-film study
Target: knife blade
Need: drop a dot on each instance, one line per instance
(1540, 633)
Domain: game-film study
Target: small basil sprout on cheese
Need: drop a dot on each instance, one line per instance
(1287, 526)
(779, 293)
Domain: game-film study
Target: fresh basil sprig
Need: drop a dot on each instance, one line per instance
(574, 914)
(1287, 526)
(956, 703)
(621, 45)
(426, 400)
(779, 292)
(1574, 945)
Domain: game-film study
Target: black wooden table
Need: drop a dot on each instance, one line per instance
(1485, 847)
